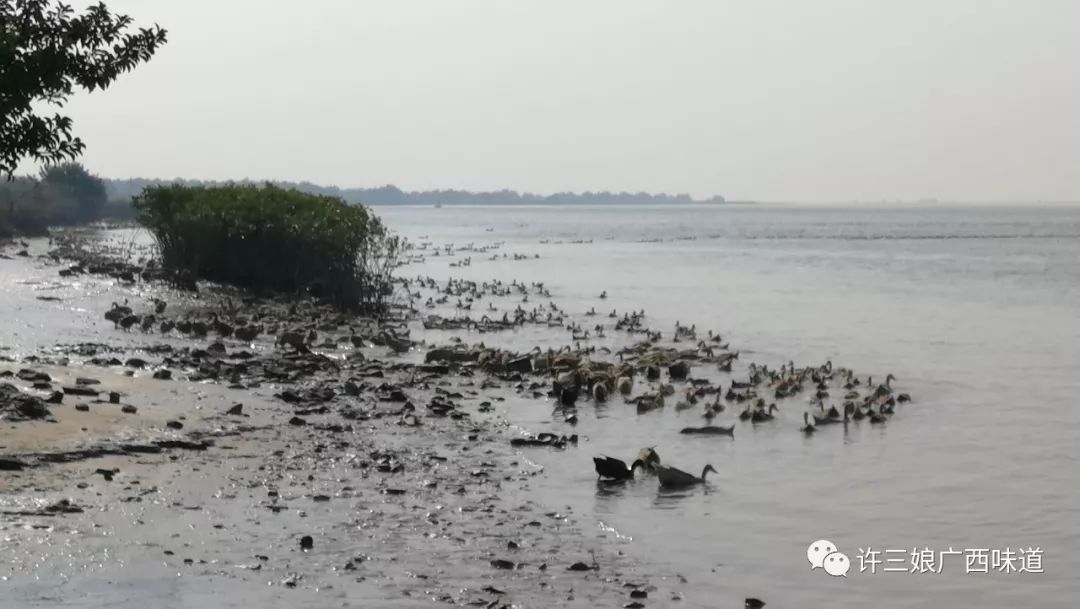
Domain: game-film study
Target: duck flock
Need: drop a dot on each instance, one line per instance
(583, 370)
(622, 358)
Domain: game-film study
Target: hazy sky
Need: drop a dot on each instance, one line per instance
(797, 100)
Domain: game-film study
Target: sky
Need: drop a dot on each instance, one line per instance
(798, 101)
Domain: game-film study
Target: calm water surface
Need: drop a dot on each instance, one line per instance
(975, 310)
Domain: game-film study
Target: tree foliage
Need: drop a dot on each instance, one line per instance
(272, 239)
(74, 182)
(46, 52)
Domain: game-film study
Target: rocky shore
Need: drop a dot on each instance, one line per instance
(196, 441)
(326, 465)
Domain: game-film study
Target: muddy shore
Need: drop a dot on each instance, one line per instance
(340, 474)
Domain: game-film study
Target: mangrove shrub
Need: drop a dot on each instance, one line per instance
(272, 239)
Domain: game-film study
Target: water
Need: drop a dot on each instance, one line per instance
(973, 309)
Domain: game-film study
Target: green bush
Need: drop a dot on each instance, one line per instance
(272, 239)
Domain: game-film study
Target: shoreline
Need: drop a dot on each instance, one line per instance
(399, 505)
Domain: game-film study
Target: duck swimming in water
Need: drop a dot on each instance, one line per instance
(671, 477)
(615, 469)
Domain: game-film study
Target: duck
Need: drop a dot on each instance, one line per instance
(615, 469)
(650, 458)
(117, 312)
(710, 430)
(808, 429)
(671, 477)
(885, 389)
(760, 414)
(600, 392)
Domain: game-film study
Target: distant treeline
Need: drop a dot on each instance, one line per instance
(392, 195)
(59, 195)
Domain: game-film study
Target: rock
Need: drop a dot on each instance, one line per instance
(634, 605)
(451, 355)
(216, 349)
(639, 594)
(86, 381)
(235, 410)
(307, 542)
(64, 506)
(81, 390)
(114, 397)
(82, 407)
(11, 465)
(174, 424)
(33, 376)
(297, 421)
(754, 603)
(128, 409)
(107, 474)
(580, 566)
(136, 362)
(163, 375)
(18, 406)
(652, 373)
(499, 563)
(55, 397)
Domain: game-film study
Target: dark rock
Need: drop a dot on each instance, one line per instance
(163, 375)
(128, 409)
(183, 444)
(235, 410)
(114, 397)
(580, 566)
(55, 397)
(451, 355)
(499, 563)
(33, 376)
(18, 406)
(639, 594)
(174, 424)
(82, 407)
(11, 465)
(77, 390)
(64, 506)
(86, 381)
(307, 542)
(634, 605)
(297, 421)
(136, 362)
(754, 603)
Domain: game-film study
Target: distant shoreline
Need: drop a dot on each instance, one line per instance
(123, 189)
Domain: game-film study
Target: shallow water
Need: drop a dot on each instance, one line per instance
(974, 311)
